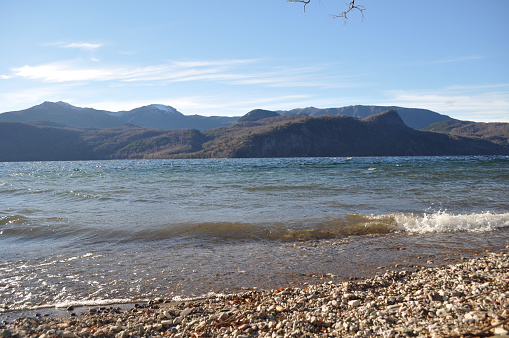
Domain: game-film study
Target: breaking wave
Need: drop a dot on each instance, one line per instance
(301, 230)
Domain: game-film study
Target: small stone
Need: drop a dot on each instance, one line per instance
(223, 316)
(84, 331)
(393, 308)
(68, 334)
(501, 331)
(122, 334)
(5, 333)
(435, 297)
(115, 328)
(354, 303)
(186, 312)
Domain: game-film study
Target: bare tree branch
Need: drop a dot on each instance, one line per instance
(305, 2)
(351, 6)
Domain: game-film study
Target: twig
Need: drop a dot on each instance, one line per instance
(305, 2)
(351, 6)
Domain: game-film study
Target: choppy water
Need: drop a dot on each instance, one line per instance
(96, 232)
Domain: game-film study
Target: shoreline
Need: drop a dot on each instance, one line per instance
(466, 299)
(400, 259)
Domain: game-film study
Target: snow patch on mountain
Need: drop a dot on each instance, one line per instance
(168, 109)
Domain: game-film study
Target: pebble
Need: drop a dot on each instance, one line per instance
(462, 300)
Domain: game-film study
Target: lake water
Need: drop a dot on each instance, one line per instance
(99, 232)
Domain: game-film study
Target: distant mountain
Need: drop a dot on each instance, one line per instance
(383, 134)
(153, 116)
(497, 132)
(413, 117)
(166, 117)
(257, 114)
(63, 113)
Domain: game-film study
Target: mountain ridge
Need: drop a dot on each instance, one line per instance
(152, 116)
(497, 132)
(167, 117)
(415, 118)
(383, 134)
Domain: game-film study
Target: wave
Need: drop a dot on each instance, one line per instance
(349, 225)
(302, 230)
(447, 222)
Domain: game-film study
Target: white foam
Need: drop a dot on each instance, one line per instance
(204, 296)
(93, 302)
(447, 222)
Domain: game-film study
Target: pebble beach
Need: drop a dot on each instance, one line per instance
(466, 299)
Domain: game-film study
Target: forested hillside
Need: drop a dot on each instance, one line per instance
(383, 134)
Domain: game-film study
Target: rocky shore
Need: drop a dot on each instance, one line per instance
(469, 299)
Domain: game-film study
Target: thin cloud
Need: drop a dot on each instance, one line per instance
(235, 72)
(77, 45)
(69, 71)
(204, 104)
(454, 60)
(83, 45)
(477, 103)
(63, 72)
(22, 99)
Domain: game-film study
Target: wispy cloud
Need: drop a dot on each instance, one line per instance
(455, 59)
(235, 72)
(83, 45)
(478, 103)
(62, 72)
(78, 45)
(204, 105)
(21, 99)
(69, 71)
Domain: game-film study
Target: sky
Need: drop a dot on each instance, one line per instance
(228, 57)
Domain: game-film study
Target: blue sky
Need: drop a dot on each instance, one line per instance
(228, 57)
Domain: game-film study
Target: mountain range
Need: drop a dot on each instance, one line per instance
(259, 133)
(152, 116)
(167, 117)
